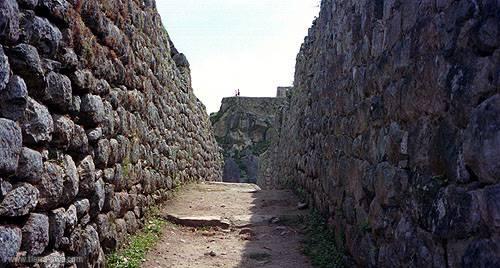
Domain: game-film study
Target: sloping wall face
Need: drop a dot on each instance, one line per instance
(245, 128)
(393, 128)
(97, 122)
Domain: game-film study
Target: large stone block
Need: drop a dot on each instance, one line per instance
(57, 226)
(42, 34)
(13, 99)
(92, 110)
(25, 61)
(107, 231)
(30, 167)
(10, 243)
(86, 171)
(71, 180)
(51, 186)
(482, 141)
(19, 201)
(37, 124)
(35, 234)
(10, 145)
(9, 21)
(58, 92)
(63, 134)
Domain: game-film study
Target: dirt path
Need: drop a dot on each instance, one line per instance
(256, 229)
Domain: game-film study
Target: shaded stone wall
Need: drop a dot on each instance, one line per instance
(245, 128)
(393, 129)
(98, 121)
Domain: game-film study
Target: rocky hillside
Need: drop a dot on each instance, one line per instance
(245, 127)
(97, 122)
(393, 130)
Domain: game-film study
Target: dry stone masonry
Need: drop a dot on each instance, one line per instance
(245, 128)
(98, 121)
(393, 129)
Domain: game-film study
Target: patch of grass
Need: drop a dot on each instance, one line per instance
(319, 243)
(133, 254)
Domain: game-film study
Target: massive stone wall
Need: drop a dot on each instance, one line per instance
(245, 127)
(393, 129)
(97, 122)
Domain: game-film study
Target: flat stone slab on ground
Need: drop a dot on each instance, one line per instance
(204, 221)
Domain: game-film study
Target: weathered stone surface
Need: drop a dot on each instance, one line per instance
(58, 11)
(92, 110)
(181, 60)
(85, 242)
(482, 253)
(79, 142)
(82, 207)
(5, 188)
(4, 69)
(40, 33)
(86, 171)
(35, 234)
(51, 186)
(393, 124)
(10, 145)
(71, 180)
(19, 201)
(30, 166)
(107, 232)
(10, 243)
(102, 153)
(71, 217)
(84, 81)
(9, 20)
(13, 99)
(63, 131)
(57, 226)
(58, 92)
(131, 222)
(37, 124)
(97, 199)
(482, 141)
(25, 61)
(94, 134)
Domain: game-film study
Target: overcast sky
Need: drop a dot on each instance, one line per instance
(231, 44)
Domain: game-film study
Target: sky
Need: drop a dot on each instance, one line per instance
(249, 45)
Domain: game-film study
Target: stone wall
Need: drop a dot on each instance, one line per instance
(97, 122)
(245, 128)
(393, 129)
